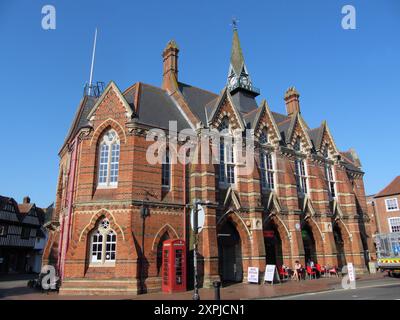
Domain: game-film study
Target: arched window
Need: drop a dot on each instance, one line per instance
(267, 171)
(301, 177)
(263, 139)
(331, 181)
(226, 155)
(297, 144)
(325, 151)
(109, 150)
(103, 244)
(166, 171)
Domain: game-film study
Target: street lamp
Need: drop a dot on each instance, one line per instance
(144, 213)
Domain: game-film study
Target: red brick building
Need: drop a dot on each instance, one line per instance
(385, 206)
(304, 199)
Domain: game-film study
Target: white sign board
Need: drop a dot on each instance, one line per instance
(271, 273)
(252, 275)
(200, 218)
(351, 273)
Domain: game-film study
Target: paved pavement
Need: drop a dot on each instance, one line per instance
(384, 289)
(15, 288)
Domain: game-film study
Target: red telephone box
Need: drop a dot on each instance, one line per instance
(174, 266)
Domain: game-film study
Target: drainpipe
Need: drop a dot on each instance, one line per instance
(71, 184)
(184, 202)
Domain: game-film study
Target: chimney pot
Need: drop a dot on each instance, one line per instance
(27, 200)
(292, 101)
(170, 63)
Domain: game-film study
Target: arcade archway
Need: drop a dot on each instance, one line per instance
(230, 253)
(273, 244)
(339, 243)
(310, 252)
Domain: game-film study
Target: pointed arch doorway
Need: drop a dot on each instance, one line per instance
(339, 243)
(307, 235)
(230, 253)
(273, 244)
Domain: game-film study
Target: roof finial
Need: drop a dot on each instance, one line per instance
(234, 23)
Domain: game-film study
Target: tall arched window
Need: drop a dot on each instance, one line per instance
(331, 181)
(166, 171)
(109, 150)
(226, 155)
(103, 244)
(267, 171)
(301, 177)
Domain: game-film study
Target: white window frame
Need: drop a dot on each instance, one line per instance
(267, 173)
(388, 208)
(331, 179)
(110, 143)
(301, 177)
(228, 162)
(104, 231)
(391, 226)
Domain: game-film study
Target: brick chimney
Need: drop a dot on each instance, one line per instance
(170, 63)
(26, 200)
(292, 101)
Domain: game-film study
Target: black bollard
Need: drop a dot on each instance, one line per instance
(217, 286)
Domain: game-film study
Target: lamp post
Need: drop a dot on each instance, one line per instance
(196, 295)
(144, 213)
(196, 204)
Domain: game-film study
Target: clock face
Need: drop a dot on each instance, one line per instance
(244, 81)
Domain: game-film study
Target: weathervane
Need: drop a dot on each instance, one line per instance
(234, 23)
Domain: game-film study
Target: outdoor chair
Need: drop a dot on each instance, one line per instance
(283, 273)
(333, 271)
(311, 274)
(320, 270)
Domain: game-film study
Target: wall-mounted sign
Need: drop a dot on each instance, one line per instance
(200, 218)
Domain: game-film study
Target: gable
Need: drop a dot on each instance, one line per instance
(226, 108)
(327, 139)
(111, 102)
(265, 120)
(298, 128)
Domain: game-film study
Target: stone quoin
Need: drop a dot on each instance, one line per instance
(304, 200)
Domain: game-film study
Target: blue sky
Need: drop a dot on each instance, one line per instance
(348, 77)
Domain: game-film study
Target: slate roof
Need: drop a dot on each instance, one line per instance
(278, 117)
(237, 59)
(197, 99)
(391, 189)
(80, 118)
(316, 136)
(156, 108)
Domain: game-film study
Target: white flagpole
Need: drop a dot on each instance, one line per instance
(91, 68)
